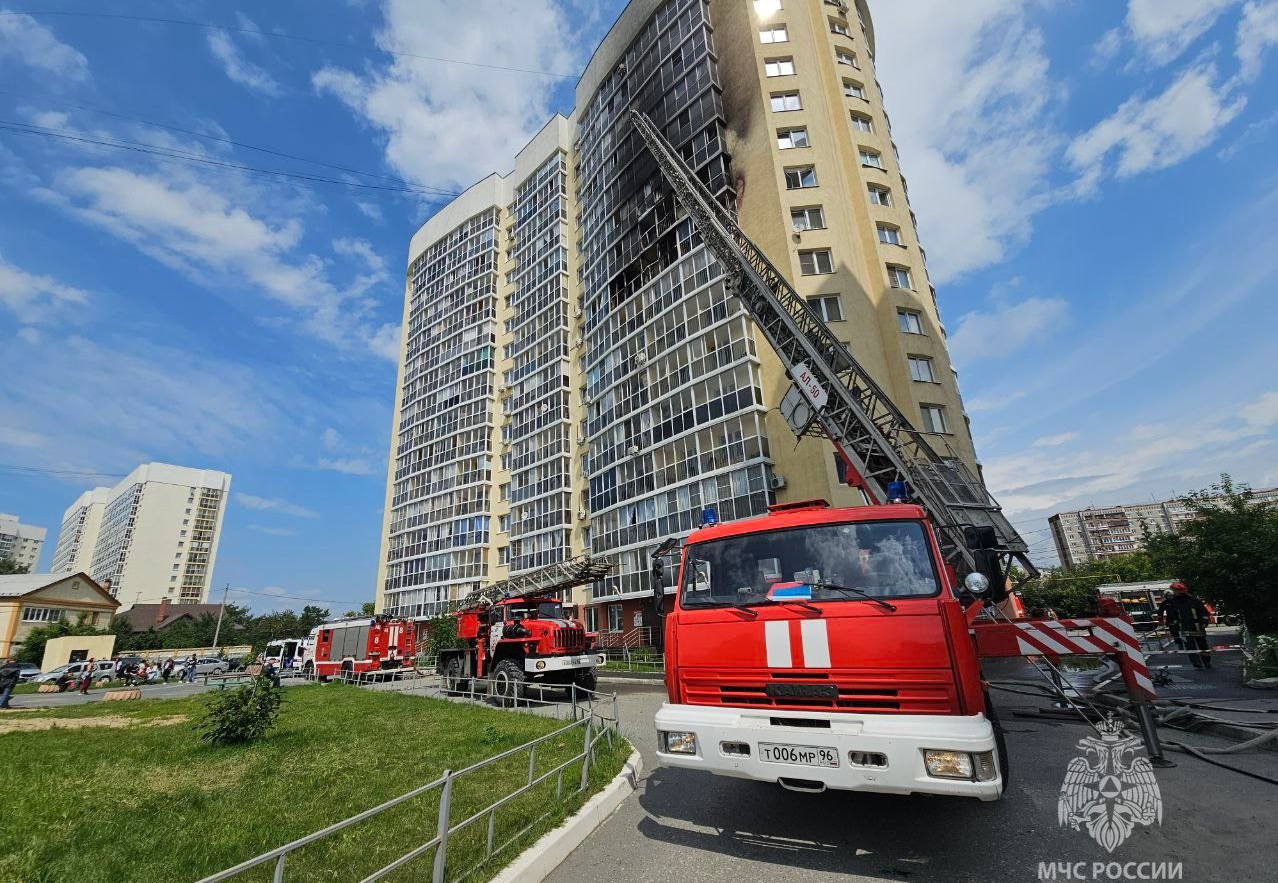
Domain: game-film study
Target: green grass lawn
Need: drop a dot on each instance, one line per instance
(153, 804)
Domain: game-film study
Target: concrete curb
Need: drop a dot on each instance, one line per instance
(622, 678)
(537, 861)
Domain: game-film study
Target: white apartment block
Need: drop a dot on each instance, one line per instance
(153, 536)
(1100, 532)
(21, 542)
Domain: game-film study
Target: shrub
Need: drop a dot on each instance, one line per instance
(241, 716)
(442, 634)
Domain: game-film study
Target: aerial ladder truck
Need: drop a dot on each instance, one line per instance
(840, 648)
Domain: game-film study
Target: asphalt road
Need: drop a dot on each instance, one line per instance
(688, 826)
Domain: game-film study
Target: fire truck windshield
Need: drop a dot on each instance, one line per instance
(882, 559)
(536, 610)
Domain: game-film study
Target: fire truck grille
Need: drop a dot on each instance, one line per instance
(887, 692)
(570, 640)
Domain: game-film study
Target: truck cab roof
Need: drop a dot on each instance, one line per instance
(808, 513)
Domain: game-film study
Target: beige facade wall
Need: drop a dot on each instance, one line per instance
(77, 600)
(57, 651)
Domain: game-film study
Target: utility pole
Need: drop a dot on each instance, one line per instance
(217, 632)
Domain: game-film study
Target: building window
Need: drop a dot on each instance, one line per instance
(839, 26)
(592, 619)
(921, 369)
(828, 306)
(889, 235)
(816, 263)
(842, 56)
(614, 617)
(503, 555)
(778, 67)
(880, 195)
(934, 418)
(862, 123)
(42, 614)
(503, 492)
(801, 177)
(783, 101)
(774, 34)
(853, 89)
(503, 523)
(791, 138)
(899, 277)
(910, 321)
(871, 158)
(812, 218)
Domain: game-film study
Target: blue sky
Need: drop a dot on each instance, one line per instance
(1096, 183)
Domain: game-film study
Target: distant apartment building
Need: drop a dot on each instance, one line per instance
(574, 376)
(1100, 532)
(153, 537)
(20, 542)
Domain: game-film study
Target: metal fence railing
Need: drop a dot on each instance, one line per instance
(594, 727)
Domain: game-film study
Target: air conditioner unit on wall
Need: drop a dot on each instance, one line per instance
(777, 482)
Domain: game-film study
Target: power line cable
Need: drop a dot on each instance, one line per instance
(282, 36)
(268, 150)
(137, 147)
(39, 470)
(296, 598)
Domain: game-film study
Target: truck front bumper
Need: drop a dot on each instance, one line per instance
(874, 752)
(540, 665)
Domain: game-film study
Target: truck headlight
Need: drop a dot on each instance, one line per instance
(948, 764)
(678, 743)
(541, 663)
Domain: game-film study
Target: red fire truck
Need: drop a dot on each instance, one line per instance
(516, 632)
(840, 648)
(360, 644)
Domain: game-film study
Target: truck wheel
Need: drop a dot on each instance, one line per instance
(453, 681)
(585, 678)
(1000, 743)
(508, 682)
(348, 671)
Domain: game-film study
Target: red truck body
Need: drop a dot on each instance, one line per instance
(362, 644)
(519, 640)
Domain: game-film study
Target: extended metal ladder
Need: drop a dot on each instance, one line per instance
(834, 395)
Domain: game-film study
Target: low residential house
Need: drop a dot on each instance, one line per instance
(141, 617)
(29, 600)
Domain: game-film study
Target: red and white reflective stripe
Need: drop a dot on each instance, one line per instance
(1052, 637)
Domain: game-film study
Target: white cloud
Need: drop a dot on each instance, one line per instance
(450, 124)
(35, 299)
(973, 112)
(978, 404)
(1107, 47)
(348, 465)
(238, 68)
(1052, 441)
(331, 439)
(1148, 134)
(1257, 31)
(28, 42)
(370, 211)
(13, 437)
(225, 237)
(1263, 412)
(1005, 329)
(269, 504)
(1163, 29)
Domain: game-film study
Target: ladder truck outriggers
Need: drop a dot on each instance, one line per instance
(819, 647)
(516, 632)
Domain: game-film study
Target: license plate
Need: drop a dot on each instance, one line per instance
(799, 755)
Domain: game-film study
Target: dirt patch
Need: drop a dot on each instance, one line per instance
(78, 723)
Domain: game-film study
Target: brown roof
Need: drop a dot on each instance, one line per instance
(141, 617)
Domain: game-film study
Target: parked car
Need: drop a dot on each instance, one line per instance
(27, 671)
(102, 671)
(205, 665)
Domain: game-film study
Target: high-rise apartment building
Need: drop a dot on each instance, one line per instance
(1101, 532)
(634, 391)
(20, 542)
(153, 536)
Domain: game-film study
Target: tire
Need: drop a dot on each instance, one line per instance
(308, 670)
(454, 683)
(1000, 743)
(509, 682)
(586, 678)
(348, 670)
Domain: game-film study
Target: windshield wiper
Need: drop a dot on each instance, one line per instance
(857, 592)
(804, 604)
(704, 606)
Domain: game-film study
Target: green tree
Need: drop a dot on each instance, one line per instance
(1228, 553)
(368, 608)
(8, 566)
(441, 634)
(1069, 590)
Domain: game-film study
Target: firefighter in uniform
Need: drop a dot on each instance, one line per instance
(1186, 618)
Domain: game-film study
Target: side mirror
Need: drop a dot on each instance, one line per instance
(977, 585)
(659, 586)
